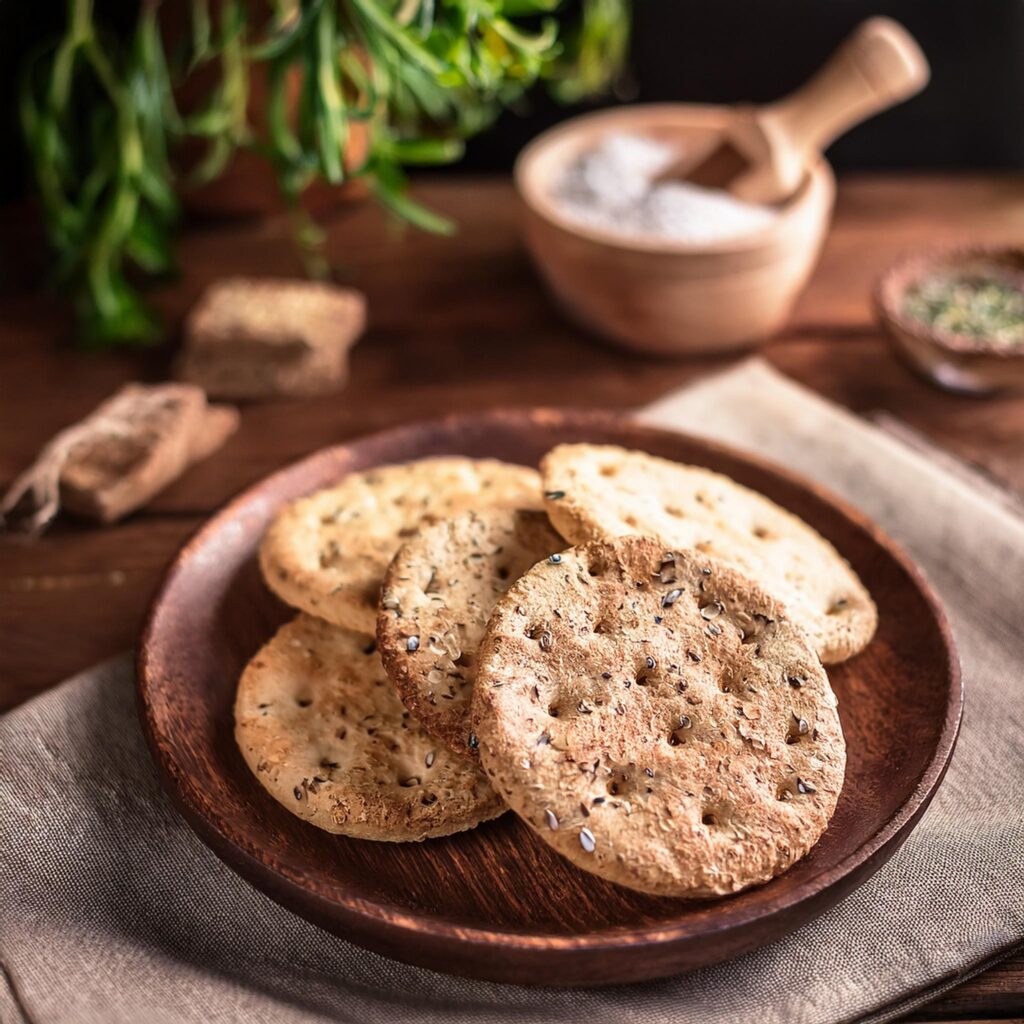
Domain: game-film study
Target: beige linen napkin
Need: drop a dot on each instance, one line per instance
(111, 910)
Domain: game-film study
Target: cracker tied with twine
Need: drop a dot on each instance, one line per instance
(121, 455)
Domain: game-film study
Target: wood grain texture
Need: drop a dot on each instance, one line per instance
(454, 324)
(497, 902)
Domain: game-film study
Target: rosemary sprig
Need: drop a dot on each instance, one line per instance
(101, 124)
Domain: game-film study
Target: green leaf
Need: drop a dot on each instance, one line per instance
(111, 313)
(535, 44)
(406, 41)
(201, 32)
(149, 246)
(332, 125)
(409, 210)
(522, 8)
(421, 151)
(288, 36)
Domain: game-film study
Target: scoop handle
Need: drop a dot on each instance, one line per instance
(878, 66)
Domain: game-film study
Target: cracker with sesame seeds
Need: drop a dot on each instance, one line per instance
(601, 491)
(658, 719)
(322, 730)
(326, 554)
(438, 594)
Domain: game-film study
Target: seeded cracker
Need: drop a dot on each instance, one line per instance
(595, 491)
(658, 719)
(327, 554)
(321, 728)
(438, 594)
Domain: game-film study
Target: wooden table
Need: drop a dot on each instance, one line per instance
(456, 325)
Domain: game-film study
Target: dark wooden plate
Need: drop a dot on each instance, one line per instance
(497, 902)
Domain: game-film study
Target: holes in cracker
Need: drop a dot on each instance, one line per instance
(838, 606)
(647, 671)
(542, 635)
(729, 682)
(609, 469)
(754, 627)
(799, 729)
(795, 787)
(675, 512)
(762, 532)
(681, 733)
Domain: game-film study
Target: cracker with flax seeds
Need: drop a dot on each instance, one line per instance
(438, 594)
(321, 728)
(601, 491)
(658, 719)
(326, 554)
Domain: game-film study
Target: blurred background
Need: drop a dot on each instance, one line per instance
(970, 116)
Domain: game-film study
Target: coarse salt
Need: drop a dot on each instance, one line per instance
(615, 187)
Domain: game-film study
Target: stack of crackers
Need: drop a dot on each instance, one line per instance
(626, 652)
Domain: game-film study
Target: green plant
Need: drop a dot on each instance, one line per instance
(102, 125)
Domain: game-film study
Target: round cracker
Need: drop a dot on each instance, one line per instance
(658, 719)
(600, 491)
(321, 728)
(326, 554)
(438, 594)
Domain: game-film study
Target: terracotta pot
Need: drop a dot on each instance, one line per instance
(248, 186)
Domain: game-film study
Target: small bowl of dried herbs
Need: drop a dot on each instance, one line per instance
(957, 316)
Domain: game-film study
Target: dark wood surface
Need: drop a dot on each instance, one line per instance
(512, 909)
(455, 325)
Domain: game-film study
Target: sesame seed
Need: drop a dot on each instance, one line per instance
(551, 819)
(671, 597)
(587, 840)
(554, 559)
(554, 495)
(412, 643)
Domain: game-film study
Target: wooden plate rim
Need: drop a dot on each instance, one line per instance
(854, 868)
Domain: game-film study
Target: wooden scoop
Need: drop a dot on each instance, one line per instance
(762, 157)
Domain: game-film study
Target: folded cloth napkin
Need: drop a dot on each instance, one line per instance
(111, 910)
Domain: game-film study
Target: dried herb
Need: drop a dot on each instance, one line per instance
(973, 305)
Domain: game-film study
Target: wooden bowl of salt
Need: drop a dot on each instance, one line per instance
(663, 295)
(635, 247)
